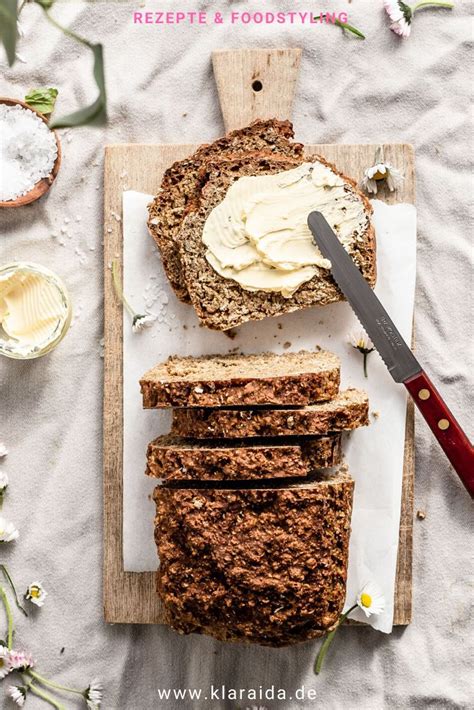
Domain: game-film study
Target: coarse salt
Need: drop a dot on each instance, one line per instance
(28, 151)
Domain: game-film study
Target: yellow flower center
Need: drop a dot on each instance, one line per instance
(2, 662)
(35, 592)
(366, 600)
(379, 176)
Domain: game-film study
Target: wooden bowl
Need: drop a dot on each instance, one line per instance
(43, 185)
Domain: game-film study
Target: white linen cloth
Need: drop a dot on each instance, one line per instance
(161, 89)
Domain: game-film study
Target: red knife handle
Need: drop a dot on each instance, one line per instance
(444, 426)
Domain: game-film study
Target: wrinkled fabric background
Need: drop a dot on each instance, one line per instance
(161, 89)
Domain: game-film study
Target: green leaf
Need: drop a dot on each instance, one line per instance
(95, 113)
(42, 99)
(8, 28)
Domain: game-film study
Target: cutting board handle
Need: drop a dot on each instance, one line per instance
(255, 83)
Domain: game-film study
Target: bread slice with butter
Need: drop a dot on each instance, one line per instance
(181, 186)
(246, 250)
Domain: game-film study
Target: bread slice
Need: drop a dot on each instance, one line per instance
(265, 566)
(225, 380)
(222, 303)
(349, 410)
(176, 459)
(181, 184)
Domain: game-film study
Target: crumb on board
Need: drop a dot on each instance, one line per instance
(375, 414)
(420, 514)
(231, 333)
(279, 326)
(287, 345)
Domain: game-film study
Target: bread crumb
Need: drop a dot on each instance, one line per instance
(287, 345)
(231, 333)
(375, 414)
(420, 514)
(279, 326)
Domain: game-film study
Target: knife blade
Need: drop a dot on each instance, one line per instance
(397, 356)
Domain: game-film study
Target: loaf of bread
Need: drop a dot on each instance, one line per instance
(265, 566)
(182, 183)
(348, 410)
(226, 380)
(176, 459)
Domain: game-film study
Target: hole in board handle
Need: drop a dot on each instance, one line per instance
(257, 85)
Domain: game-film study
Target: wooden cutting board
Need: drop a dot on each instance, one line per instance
(251, 84)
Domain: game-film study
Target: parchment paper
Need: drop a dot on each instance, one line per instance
(374, 454)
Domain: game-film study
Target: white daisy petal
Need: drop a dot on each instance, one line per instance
(142, 321)
(93, 695)
(8, 531)
(17, 693)
(5, 667)
(3, 482)
(371, 599)
(36, 594)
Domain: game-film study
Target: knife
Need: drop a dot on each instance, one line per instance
(397, 356)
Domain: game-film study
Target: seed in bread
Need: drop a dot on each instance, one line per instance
(348, 410)
(224, 380)
(176, 459)
(265, 566)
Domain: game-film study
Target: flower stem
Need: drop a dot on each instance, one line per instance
(9, 618)
(47, 698)
(118, 287)
(44, 681)
(434, 3)
(365, 364)
(328, 641)
(345, 26)
(10, 582)
(66, 30)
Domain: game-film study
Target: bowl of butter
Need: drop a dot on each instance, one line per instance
(35, 310)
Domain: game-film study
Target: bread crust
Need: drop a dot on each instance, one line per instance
(222, 303)
(256, 566)
(181, 185)
(239, 380)
(349, 410)
(176, 459)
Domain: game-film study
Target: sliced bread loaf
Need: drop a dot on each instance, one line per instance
(176, 459)
(265, 566)
(225, 380)
(348, 410)
(181, 185)
(222, 303)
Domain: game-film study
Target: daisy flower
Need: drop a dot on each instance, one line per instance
(140, 321)
(8, 531)
(401, 14)
(17, 693)
(363, 344)
(381, 170)
(93, 695)
(36, 593)
(3, 483)
(5, 667)
(20, 661)
(371, 600)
